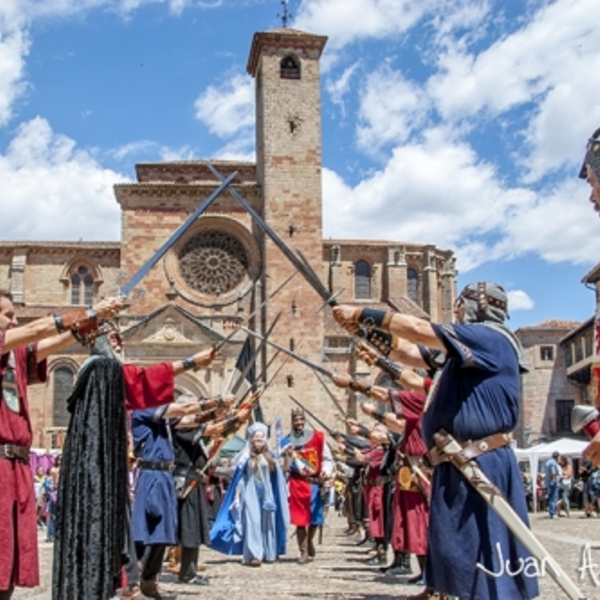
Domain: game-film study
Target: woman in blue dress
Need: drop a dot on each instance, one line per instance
(254, 515)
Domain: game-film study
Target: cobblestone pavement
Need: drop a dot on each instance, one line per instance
(339, 571)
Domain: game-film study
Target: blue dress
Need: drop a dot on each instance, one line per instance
(154, 512)
(254, 516)
(469, 547)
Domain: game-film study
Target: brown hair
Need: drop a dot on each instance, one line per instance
(6, 294)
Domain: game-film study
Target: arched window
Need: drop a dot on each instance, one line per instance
(412, 285)
(289, 68)
(63, 386)
(362, 280)
(82, 285)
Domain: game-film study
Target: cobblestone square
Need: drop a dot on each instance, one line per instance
(340, 570)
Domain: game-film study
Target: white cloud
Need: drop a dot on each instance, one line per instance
(519, 300)
(14, 47)
(391, 109)
(227, 110)
(346, 21)
(440, 192)
(54, 191)
(545, 66)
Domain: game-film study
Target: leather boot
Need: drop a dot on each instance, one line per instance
(312, 530)
(302, 536)
(380, 555)
(400, 565)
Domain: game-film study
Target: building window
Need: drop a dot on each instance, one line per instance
(289, 68)
(563, 415)
(547, 352)
(82, 286)
(290, 381)
(362, 280)
(412, 285)
(63, 386)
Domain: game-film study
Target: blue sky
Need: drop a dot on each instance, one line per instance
(461, 123)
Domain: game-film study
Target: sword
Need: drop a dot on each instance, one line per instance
(331, 395)
(220, 344)
(304, 361)
(490, 493)
(143, 271)
(236, 386)
(255, 398)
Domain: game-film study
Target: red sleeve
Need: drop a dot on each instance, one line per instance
(148, 386)
(406, 404)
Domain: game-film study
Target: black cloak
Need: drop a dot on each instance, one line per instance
(92, 494)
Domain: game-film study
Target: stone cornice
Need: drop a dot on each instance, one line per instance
(186, 172)
(59, 247)
(288, 39)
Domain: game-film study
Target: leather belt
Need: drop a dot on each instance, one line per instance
(157, 465)
(378, 481)
(14, 452)
(471, 449)
(307, 478)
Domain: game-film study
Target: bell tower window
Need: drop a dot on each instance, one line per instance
(289, 68)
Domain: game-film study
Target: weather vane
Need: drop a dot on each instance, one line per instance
(286, 14)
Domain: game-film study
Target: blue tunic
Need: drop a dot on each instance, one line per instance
(254, 515)
(477, 395)
(155, 503)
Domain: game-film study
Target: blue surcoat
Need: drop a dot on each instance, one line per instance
(155, 502)
(477, 395)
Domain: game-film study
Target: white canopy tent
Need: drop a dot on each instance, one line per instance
(542, 452)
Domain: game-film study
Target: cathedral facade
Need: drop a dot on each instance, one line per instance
(224, 269)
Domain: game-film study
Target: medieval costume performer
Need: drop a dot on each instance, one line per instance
(375, 501)
(93, 491)
(308, 463)
(254, 515)
(154, 514)
(190, 483)
(476, 401)
(22, 362)
(412, 489)
(18, 520)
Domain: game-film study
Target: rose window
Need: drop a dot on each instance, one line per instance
(213, 262)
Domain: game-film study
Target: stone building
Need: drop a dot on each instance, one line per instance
(548, 393)
(223, 268)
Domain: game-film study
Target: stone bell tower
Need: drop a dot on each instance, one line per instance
(285, 65)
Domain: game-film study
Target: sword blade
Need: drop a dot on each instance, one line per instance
(143, 271)
(299, 264)
(304, 361)
(511, 519)
(255, 312)
(252, 360)
(331, 395)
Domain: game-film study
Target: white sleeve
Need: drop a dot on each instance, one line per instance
(328, 465)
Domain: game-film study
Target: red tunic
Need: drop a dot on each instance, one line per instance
(304, 504)
(374, 492)
(410, 508)
(18, 521)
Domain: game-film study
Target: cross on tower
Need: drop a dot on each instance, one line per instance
(286, 14)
